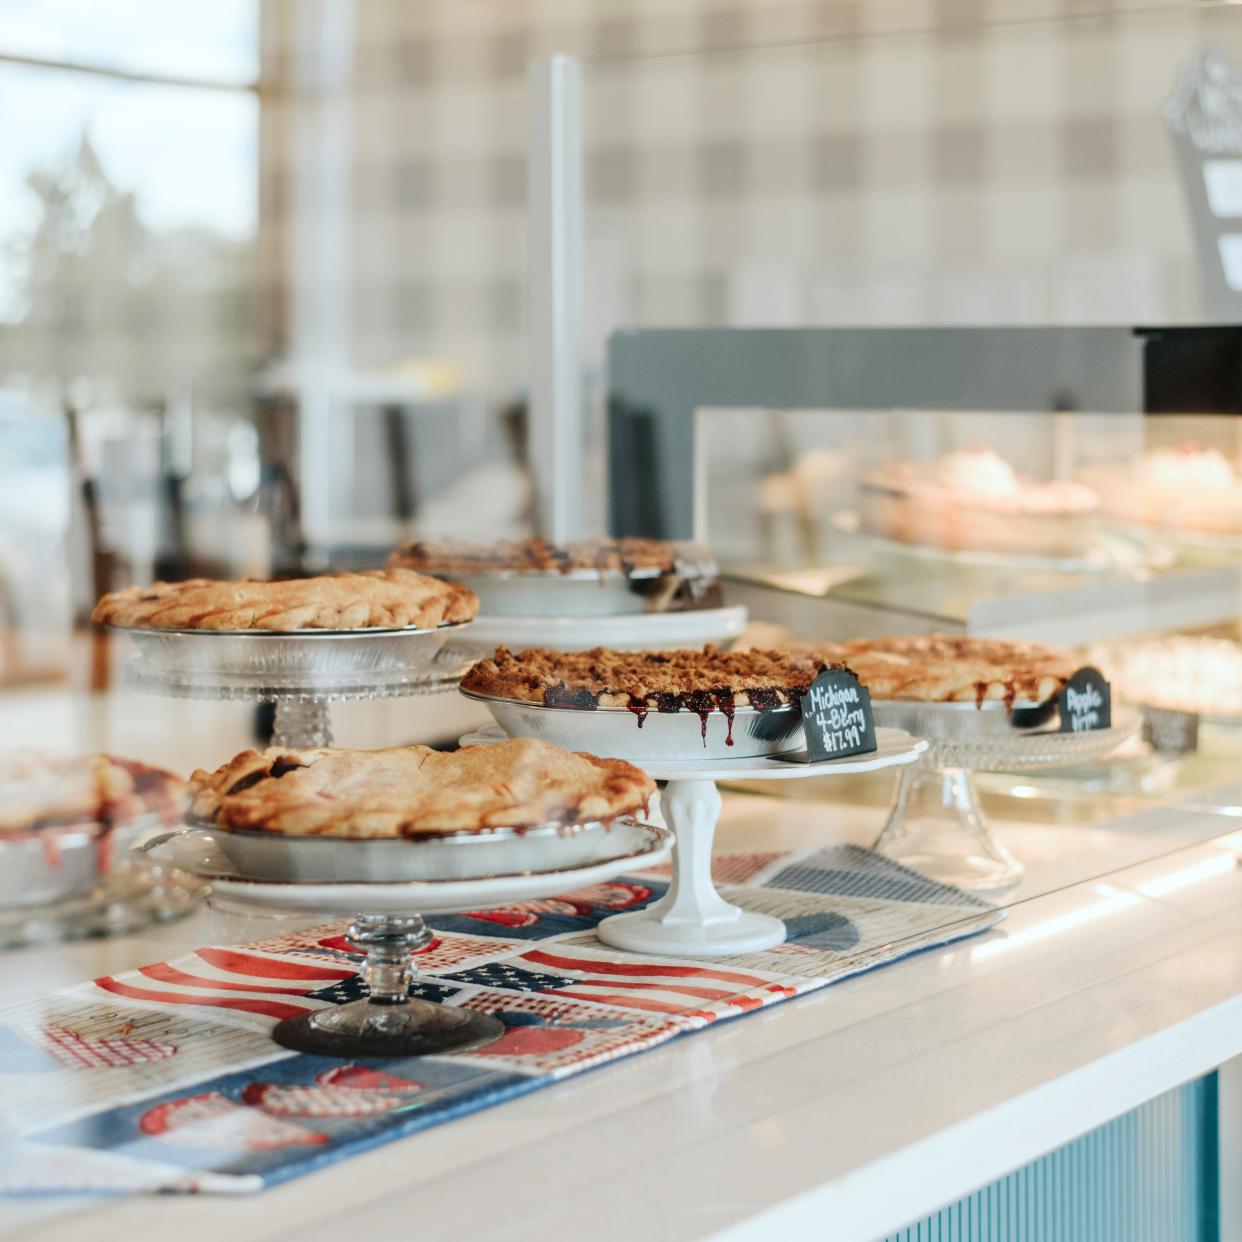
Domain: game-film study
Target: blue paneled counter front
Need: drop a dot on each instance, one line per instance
(1150, 1176)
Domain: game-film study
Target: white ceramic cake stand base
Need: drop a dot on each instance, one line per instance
(692, 919)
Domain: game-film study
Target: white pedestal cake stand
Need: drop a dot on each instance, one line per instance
(301, 671)
(692, 919)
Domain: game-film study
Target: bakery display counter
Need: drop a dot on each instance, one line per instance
(938, 1074)
(513, 828)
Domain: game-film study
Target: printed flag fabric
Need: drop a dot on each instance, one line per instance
(166, 1078)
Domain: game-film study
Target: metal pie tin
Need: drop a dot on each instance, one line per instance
(271, 857)
(588, 592)
(255, 663)
(53, 864)
(618, 733)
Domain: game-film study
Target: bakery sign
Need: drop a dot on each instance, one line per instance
(836, 715)
(1086, 702)
(1203, 116)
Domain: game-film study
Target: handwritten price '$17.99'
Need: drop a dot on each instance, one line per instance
(842, 728)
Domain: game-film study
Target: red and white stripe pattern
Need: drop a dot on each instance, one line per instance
(687, 989)
(239, 980)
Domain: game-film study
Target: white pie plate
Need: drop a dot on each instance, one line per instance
(542, 867)
(652, 631)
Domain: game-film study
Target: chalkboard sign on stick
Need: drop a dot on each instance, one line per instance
(1086, 702)
(836, 715)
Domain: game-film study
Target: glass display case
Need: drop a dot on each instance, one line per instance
(1076, 487)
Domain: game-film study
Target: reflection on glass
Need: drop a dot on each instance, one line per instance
(207, 40)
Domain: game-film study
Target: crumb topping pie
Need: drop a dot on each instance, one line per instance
(413, 791)
(938, 668)
(375, 599)
(39, 791)
(666, 681)
(624, 556)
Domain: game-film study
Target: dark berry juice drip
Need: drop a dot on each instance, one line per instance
(702, 704)
(981, 693)
(666, 702)
(724, 701)
(1010, 694)
(639, 708)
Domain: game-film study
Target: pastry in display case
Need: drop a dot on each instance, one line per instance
(650, 704)
(950, 668)
(385, 599)
(389, 835)
(67, 823)
(1188, 487)
(300, 643)
(601, 576)
(414, 791)
(972, 499)
(691, 719)
(982, 704)
(635, 593)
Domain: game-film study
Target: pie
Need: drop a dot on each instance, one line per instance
(668, 681)
(940, 668)
(375, 599)
(39, 791)
(1178, 672)
(624, 556)
(413, 791)
(974, 500)
(1186, 487)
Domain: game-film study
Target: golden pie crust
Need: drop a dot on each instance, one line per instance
(39, 792)
(624, 556)
(667, 681)
(375, 599)
(413, 791)
(973, 500)
(947, 668)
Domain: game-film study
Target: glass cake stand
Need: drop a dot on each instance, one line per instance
(692, 918)
(936, 825)
(385, 888)
(301, 671)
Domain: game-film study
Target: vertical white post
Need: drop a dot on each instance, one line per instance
(554, 253)
(318, 264)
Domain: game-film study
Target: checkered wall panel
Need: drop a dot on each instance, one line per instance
(930, 161)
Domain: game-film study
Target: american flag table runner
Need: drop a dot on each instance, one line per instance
(166, 1078)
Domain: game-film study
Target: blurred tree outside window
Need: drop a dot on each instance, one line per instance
(128, 238)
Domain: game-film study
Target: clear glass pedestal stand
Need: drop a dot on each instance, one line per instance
(936, 825)
(389, 1022)
(937, 828)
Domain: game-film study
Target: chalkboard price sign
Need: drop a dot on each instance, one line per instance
(1086, 702)
(836, 714)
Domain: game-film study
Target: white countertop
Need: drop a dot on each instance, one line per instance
(865, 1105)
